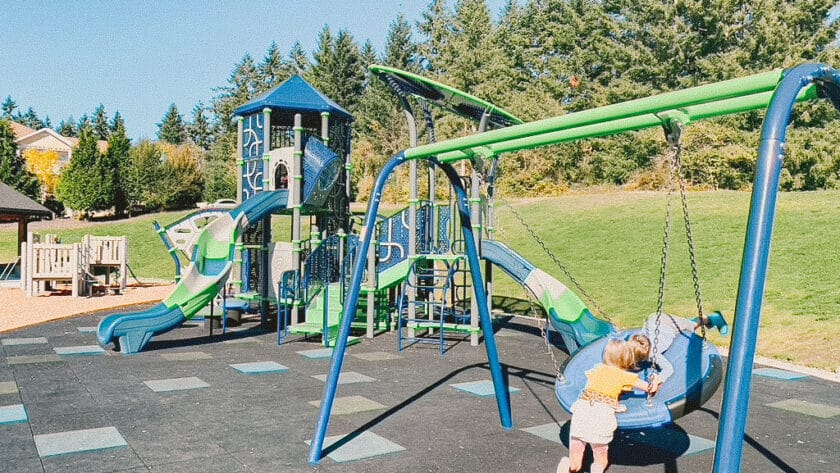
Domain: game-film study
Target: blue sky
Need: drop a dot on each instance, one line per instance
(64, 58)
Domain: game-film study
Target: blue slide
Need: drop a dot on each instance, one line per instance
(567, 313)
(213, 256)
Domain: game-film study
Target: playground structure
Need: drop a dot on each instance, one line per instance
(46, 262)
(776, 91)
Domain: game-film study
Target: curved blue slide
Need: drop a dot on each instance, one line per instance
(567, 313)
(213, 257)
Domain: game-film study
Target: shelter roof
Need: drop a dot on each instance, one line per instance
(13, 205)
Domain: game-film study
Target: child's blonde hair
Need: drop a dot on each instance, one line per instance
(618, 353)
(640, 346)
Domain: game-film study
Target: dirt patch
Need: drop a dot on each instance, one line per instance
(17, 310)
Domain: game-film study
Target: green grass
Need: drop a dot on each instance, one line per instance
(612, 242)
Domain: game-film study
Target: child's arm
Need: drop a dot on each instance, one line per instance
(649, 387)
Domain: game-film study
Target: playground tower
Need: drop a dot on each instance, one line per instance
(273, 131)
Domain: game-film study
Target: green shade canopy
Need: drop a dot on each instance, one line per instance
(461, 103)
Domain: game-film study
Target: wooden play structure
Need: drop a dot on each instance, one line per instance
(84, 266)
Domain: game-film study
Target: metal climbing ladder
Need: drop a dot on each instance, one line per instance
(434, 311)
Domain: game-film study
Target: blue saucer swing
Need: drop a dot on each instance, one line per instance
(698, 371)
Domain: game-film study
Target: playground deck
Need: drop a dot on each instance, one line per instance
(240, 403)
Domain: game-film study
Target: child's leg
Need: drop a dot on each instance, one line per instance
(576, 449)
(600, 454)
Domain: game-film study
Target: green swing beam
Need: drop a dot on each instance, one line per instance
(696, 103)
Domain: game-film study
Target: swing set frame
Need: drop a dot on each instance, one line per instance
(777, 91)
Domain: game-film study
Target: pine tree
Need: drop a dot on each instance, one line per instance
(144, 176)
(273, 69)
(30, 119)
(171, 128)
(338, 71)
(400, 48)
(86, 183)
(67, 127)
(116, 162)
(13, 171)
(298, 59)
(199, 130)
(100, 123)
(116, 122)
(8, 108)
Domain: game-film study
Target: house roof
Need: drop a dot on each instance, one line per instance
(20, 130)
(13, 205)
(297, 95)
(30, 139)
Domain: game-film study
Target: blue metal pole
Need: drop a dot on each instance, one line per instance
(499, 385)
(317, 445)
(736, 395)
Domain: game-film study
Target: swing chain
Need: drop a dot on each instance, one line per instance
(600, 312)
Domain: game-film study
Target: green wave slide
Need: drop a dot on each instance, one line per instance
(212, 262)
(568, 314)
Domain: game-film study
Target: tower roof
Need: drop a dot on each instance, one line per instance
(295, 94)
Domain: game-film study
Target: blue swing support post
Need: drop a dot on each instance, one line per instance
(736, 397)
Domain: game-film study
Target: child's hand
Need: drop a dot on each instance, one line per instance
(654, 384)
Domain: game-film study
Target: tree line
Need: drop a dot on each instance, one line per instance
(536, 59)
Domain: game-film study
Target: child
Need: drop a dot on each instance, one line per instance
(669, 328)
(593, 414)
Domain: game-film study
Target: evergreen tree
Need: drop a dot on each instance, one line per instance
(171, 128)
(116, 122)
(273, 69)
(242, 85)
(116, 162)
(435, 29)
(100, 123)
(30, 119)
(400, 49)
(322, 57)
(221, 171)
(84, 122)
(199, 130)
(86, 183)
(67, 127)
(298, 59)
(144, 177)
(338, 71)
(13, 171)
(8, 108)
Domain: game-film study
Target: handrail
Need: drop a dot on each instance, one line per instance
(7, 270)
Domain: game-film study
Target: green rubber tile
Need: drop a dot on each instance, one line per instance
(27, 359)
(319, 354)
(76, 441)
(24, 341)
(13, 414)
(8, 387)
(348, 377)
(808, 408)
(186, 356)
(550, 431)
(79, 350)
(364, 445)
(260, 367)
(779, 374)
(351, 405)
(175, 384)
(376, 356)
(482, 388)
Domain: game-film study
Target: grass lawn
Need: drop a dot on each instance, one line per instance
(612, 242)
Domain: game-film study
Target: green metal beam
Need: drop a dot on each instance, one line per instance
(705, 101)
(685, 115)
